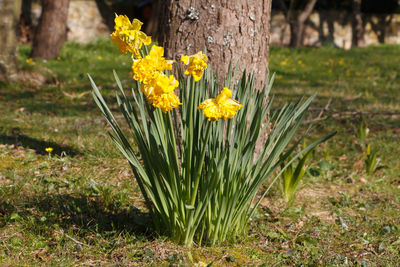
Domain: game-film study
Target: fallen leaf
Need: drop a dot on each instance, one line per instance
(363, 180)
(43, 255)
(343, 157)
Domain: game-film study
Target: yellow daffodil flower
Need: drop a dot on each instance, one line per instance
(166, 102)
(196, 63)
(128, 36)
(221, 107)
(160, 93)
(145, 68)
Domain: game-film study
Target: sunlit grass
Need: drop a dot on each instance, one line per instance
(80, 207)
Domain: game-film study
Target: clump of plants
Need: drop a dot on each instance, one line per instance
(371, 161)
(292, 175)
(191, 142)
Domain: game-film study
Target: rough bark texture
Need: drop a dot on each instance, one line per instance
(357, 25)
(52, 29)
(230, 30)
(9, 14)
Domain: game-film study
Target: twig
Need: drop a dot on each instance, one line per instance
(325, 108)
(319, 117)
(73, 239)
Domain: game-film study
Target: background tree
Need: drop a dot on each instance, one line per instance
(357, 25)
(9, 15)
(51, 32)
(297, 12)
(384, 11)
(25, 22)
(229, 30)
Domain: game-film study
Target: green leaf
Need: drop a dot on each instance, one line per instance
(15, 216)
(325, 165)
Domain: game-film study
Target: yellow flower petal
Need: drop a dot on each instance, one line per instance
(159, 92)
(145, 69)
(197, 63)
(128, 36)
(221, 107)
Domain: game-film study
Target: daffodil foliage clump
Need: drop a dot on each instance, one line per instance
(192, 143)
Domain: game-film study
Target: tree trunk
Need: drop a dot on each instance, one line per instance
(357, 25)
(52, 29)
(229, 30)
(384, 21)
(25, 22)
(9, 15)
(296, 32)
(297, 19)
(106, 13)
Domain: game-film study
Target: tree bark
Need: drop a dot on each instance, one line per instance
(9, 15)
(357, 25)
(296, 32)
(25, 22)
(229, 30)
(52, 29)
(384, 22)
(379, 27)
(297, 19)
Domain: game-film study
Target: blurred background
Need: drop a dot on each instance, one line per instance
(330, 22)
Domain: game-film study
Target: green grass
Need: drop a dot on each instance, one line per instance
(83, 206)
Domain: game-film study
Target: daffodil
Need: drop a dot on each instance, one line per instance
(196, 63)
(221, 107)
(166, 101)
(128, 36)
(146, 68)
(160, 93)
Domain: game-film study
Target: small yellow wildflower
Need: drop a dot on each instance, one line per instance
(58, 58)
(30, 60)
(128, 36)
(341, 62)
(159, 92)
(145, 69)
(196, 63)
(49, 149)
(221, 107)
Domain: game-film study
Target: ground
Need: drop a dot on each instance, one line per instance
(80, 205)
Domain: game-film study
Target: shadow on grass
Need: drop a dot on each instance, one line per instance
(38, 145)
(79, 213)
